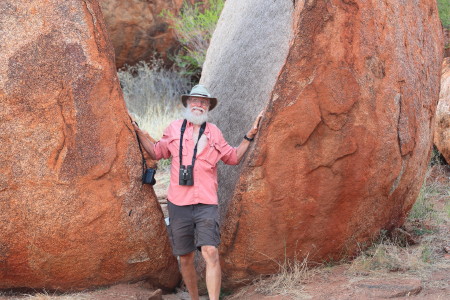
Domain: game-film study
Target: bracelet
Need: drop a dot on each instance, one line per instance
(248, 139)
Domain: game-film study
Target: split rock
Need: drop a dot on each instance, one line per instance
(349, 90)
(73, 212)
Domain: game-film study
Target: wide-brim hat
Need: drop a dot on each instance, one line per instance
(199, 91)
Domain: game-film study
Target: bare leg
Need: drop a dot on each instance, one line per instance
(213, 273)
(189, 275)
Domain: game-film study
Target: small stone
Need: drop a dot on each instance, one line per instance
(387, 288)
(157, 295)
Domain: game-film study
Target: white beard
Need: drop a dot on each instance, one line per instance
(193, 118)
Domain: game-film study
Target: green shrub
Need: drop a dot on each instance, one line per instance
(194, 28)
(444, 12)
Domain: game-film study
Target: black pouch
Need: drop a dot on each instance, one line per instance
(149, 176)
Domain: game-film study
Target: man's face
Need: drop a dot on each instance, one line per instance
(198, 105)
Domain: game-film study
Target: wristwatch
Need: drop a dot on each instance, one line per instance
(248, 139)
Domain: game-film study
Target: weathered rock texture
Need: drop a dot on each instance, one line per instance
(349, 90)
(73, 213)
(138, 31)
(442, 123)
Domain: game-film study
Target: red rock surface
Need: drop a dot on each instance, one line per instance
(446, 42)
(138, 31)
(442, 123)
(347, 132)
(73, 213)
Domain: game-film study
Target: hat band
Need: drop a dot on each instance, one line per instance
(196, 94)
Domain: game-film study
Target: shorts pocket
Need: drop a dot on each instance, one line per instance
(208, 233)
(218, 235)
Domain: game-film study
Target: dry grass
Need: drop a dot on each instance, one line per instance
(288, 281)
(423, 208)
(152, 95)
(388, 256)
(52, 296)
(428, 223)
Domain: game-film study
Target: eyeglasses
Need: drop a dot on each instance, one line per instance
(202, 102)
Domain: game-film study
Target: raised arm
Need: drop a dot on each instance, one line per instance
(243, 147)
(144, 138)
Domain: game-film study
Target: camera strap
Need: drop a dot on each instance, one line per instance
(183, 128)
(144, 162)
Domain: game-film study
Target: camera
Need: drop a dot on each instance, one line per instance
(149, 176)
(186, 175)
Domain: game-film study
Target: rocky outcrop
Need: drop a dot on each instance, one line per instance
(137, 29)
(73, 213)
(349, 90)
(442, 122)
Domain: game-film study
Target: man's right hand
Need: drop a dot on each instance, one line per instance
(134, 123)
(135, 126)
(146, 140)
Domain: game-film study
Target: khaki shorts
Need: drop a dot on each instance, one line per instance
(193, 226)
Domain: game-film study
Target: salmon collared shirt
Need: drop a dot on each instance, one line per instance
(205, 185)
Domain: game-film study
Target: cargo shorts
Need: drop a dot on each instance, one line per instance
(193, 226)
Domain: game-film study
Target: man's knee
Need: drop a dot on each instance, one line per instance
(210, 254)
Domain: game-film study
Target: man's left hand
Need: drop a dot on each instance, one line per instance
(251, 134)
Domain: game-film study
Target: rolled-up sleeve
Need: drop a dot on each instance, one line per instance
(228, 153)
(161, 147)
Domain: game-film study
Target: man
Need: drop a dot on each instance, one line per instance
(192, 196)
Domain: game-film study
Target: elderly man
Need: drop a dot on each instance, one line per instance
(196, 147)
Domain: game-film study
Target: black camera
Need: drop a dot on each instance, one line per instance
(186, 175)
(149, 176)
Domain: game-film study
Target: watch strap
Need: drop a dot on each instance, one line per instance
(248, 139)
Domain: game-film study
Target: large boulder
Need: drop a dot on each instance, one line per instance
(442, 123)
(137, 29)
(73, 212)
(349, 90)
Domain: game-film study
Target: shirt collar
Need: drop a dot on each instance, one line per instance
(190, 128)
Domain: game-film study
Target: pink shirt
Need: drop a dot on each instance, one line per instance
(204, 189)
